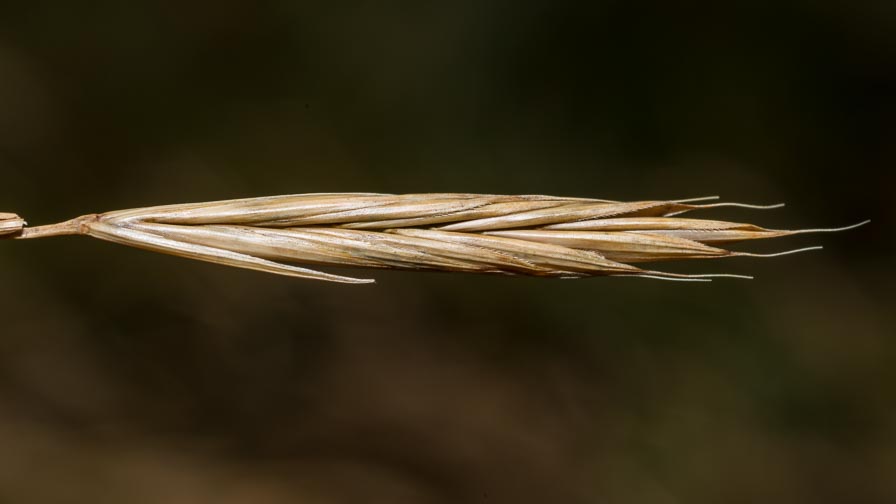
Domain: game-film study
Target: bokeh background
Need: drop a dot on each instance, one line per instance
(132, 377)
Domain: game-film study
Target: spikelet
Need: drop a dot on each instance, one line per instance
(514, 235)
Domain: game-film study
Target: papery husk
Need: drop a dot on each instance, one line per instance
(532, 235)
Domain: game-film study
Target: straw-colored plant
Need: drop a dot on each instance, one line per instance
(515, 235)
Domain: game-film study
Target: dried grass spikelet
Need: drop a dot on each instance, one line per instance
(515, 235)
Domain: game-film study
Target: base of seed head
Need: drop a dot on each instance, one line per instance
(11, 224)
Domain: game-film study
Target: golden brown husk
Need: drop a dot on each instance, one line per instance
(515, 235)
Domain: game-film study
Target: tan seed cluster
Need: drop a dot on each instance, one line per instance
(514, 235)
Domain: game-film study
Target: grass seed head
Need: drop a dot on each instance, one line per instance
(476, 233)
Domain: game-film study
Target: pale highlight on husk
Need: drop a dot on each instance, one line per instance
(531, 235)
(10, 224)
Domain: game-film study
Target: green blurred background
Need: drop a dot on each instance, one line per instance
(132, 377)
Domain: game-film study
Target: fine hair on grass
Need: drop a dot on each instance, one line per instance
(533, 235)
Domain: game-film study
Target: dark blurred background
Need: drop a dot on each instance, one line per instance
(133, 377)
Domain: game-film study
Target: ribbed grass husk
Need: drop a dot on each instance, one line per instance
(10, 224)
(534, 235)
